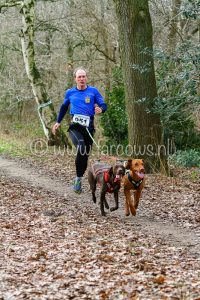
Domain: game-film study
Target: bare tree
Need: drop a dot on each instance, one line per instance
(46, 110)
(173, 29)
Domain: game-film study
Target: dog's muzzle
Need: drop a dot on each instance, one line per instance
(118, 177)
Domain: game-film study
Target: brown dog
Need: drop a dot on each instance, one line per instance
(133, 180)
(109, 179)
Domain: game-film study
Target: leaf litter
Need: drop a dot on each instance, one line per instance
(55, 247)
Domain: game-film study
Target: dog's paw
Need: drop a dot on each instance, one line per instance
(113, 208)
(103, 214)
(106, 205)
(133, 210)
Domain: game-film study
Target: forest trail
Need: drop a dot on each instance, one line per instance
(172, 234)
(55, 245)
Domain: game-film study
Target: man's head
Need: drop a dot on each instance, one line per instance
(80, 77)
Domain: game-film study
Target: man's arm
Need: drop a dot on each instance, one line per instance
(62, 112)
(100, 102)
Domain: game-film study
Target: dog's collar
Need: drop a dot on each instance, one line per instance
(136, 184)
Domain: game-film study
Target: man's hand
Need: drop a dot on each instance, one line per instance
(55, 127)
(98, 110)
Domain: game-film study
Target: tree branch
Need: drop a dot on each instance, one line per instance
(97, 48)
(103, 52)
(10, 4)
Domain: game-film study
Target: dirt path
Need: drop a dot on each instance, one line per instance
(55, 245)
(172, 234)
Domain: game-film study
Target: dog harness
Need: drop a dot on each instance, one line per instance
(110, 188)
(105, 170)
(136, 184)
(100, 170)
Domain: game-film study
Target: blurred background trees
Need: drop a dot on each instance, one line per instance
(69, 34)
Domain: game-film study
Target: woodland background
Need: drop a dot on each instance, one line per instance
(54, 244)
(69, 34)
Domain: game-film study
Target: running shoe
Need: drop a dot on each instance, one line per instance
(77, 186)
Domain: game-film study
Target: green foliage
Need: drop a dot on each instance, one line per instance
(195, 175)
(114, 121)
(12, 148)
(186, 158)
(177, 79)
(190, 8)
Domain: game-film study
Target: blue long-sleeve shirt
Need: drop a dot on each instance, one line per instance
(82, 102)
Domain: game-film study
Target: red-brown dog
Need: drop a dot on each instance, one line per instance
(133, 180)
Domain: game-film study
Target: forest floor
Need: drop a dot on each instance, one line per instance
(54, 244)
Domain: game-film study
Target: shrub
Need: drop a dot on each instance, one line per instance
(114, 121)
(177, 80)
(186, 158)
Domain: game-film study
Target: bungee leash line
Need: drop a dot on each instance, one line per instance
(92, 138)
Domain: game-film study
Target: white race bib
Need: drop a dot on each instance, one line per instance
(82, 120)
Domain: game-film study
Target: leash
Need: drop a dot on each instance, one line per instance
(99, 148)
(92, 139)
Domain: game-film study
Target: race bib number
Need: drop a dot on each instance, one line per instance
(82, 120)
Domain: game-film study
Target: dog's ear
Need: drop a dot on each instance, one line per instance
(128, 164)
(110, 171)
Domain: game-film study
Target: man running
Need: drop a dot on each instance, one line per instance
(85, 101)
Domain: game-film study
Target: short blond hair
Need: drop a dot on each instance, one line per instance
(79, 68)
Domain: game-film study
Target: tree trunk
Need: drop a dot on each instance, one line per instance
(104, 34)
(70, 63)
(46, 110)
(144, 127)
(172, 37)
(69, 68)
